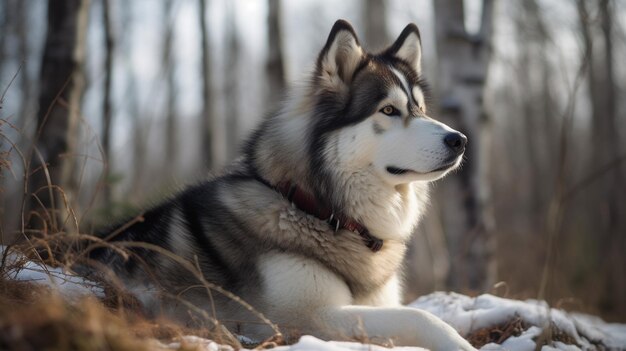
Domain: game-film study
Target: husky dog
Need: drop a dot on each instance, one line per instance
(311, 224)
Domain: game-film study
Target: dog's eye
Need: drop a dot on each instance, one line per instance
(390, 111)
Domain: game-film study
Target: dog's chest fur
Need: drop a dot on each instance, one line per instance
(284, 228)
(345, 253)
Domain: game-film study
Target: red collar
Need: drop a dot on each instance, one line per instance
(308, 203)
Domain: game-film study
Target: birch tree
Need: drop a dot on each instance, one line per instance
(463, 60)
(62, 84)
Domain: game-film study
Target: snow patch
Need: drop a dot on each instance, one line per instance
(310, 343)
(195, 343)
(467, 314)
(67, 284)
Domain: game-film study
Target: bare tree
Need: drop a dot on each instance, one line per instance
(375, 16)
(207, 120)
(21, 24)
(468, 222)
(62, 83)
(171, 130)
(615, 245)
(139, 130)
(274, 68)
(139, 140)
(538, 121)
(4, 28)
(109, 47)
(606, 146)
(233, 48)
(13, 26)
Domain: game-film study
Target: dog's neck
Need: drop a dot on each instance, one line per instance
(307, 203)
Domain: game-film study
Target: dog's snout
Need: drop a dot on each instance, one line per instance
(456, 142)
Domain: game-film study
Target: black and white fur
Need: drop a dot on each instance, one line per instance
(358, 137)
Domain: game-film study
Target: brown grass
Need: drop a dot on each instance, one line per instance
(497, 334)
(515, 327)
(33, 317)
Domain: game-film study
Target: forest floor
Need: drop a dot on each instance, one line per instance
(44, 307)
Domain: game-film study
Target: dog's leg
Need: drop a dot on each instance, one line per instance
(403, 325)
(302, 294)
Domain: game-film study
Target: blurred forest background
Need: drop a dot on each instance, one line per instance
(127, 101)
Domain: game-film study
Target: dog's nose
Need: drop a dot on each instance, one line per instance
(456, 142)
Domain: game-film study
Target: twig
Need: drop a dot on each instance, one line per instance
(10, 83)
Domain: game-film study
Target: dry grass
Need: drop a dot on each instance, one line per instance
(34, 315)
(497, 334)
(35, 318)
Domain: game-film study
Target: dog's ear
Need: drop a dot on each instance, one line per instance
(408, 47)
(341, 55)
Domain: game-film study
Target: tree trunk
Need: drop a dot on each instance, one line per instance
(207, 120)
(538, 119)
(274, 68)
(616, 244)
(26, 109)
(109, 47)
(231, 82)
(375, 16)
(606, 148)
(468, 220)
(171, 131)
(5, 9)
(62, 84)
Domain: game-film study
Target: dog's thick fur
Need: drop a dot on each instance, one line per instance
(358, 139)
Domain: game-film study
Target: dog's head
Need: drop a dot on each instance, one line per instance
(370, 113)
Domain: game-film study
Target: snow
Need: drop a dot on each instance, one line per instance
(67, 284)
(466, 314)
(310, 343)
(199, 344)
(306, 343)
(612, 335)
